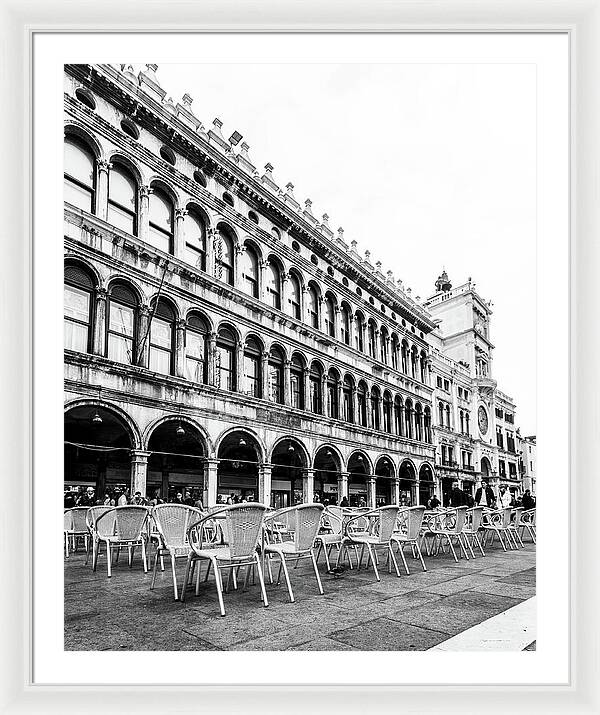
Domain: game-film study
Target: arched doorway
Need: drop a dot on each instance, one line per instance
(426, 484)
(408, 478)
(384, 482)
(327, 466)
(288, 460)
(358, 471)
(175, 465)
(237, 475)
(97, 452)
(486, 467)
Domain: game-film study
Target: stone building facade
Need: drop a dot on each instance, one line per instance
(221, 338)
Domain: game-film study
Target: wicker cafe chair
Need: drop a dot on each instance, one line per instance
(172, 522)
(122, 526)
(527, 523)
(74, 526)
(471, 528)
(90, 519)
(380, 533)
(496, 523)
(239, 533)
(515, 525)
(449, 525)
(408, 531)
(297, 542)
(330, 533)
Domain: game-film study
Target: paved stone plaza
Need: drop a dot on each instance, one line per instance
(415, 612)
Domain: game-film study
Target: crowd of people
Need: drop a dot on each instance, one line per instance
(484, 496)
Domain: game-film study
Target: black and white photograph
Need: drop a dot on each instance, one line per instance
(299, 306)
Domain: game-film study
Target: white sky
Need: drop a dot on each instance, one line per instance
(428, 166)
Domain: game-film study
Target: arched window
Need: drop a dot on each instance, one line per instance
(196, 348)
(276, 375)
(395, 348)
(383, 345)
(252, 368)
(423, 366)
(387, 412)
(467, 426)
(297, 382)
(160, 221)
(329, 316)
(333, 407)
(274, 285)
(408, 419)
(441, 414)
(462, 422)
(348, 409)
(316, 388)
(375, 415)
(405, 357)
(398, 412)
(448, 416)
(295, 292)
(249, 271)
(345, 325)
(195, 240)
(313, 306)
(78, 292)
(427, 424)
(419, 422)
(361, 399)
(224, 258)
(121, 324)
(225, 366)
(162, 335)
(371, 329)
(80, 175)
(414, 360)
(122, 199)
(359, 332)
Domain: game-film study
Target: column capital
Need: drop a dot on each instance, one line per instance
(101, 294)
(145, 310)
(211, 461)
(145, 190)
(104, 165)
(139, 455)
(180, 324)
(181, 213)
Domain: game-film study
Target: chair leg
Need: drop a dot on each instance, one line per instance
(326, 557)
(186, 576)
(262, 580)
(87, 550)
(420, 555)
(451, 547)
(144, 558)
(391, 555)
(401, 552)
(373, 562)
(314, 563)
(108, 558)
(174, 575)
(462, 546)
(154, 570)
(287, 577)
(66, 545)
(95, 548)
(130, 555)
(219, 585)
(479, 544)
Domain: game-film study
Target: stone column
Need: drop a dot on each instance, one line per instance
(351, 329)
(211, 358)
(210, 482)
(264, 483)
(371, 491)
(342, 485)
(145, 192)
(414, 493)
(179, 233)
(139, 471)
(321, 308)
(102, 191)
(336, 322)
(377, 345)
(308, 486)
(99, 338)
(395, 490)
(262, 284)
(339, 390)
(180, 348)
(264, 374)
(369, 416)
(325, 408)
(211, 237)
(354, 399)
(306, 387)
(240, 385)
(287, 382)
(143, 349)
(238, 249)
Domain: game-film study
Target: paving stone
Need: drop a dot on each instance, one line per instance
(386, 634)
(463, 583)
(322, 644)
(501, 588)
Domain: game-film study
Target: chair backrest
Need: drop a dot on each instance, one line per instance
(454, 519)
(124, 522)
(506, 514)
(410, 520)
(332, 518)
(306, 521)
(93, 513)
(79, 514)
(473, 518)
(388, 516)
(173, 521)
(243, 528)
(516, 516)
(532, 511)
(68, 520)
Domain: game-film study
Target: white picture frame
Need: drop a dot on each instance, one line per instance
(581, 20)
